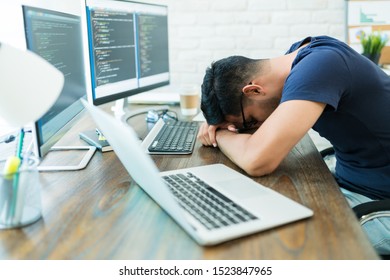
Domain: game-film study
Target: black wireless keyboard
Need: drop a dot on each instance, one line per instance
(175, 137)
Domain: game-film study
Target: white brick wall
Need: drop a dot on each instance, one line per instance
(205, 30)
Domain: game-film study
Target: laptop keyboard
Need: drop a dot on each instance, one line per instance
(175, 137)
(207, 205)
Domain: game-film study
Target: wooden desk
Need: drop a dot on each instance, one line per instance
(100, 213)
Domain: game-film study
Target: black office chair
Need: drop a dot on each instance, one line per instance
(365, 211)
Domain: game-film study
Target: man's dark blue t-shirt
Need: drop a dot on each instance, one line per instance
(356, 119)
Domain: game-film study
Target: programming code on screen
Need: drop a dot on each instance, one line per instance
(128, 48)
(153, 44)
(56, 37)
(113, 46)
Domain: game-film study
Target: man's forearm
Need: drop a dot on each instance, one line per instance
(236, 147)
(231, 144)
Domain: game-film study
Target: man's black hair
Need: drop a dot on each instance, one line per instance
(222, 87)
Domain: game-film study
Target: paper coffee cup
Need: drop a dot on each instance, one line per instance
(189, 100)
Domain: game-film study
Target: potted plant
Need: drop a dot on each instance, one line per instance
(373, 44)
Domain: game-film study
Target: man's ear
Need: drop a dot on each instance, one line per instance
(253, 90)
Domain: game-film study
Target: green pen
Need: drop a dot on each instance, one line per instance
(20, 145)
(19, 152)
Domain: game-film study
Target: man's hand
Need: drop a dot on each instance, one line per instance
(207, 133)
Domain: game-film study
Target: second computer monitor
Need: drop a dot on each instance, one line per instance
(128, 43)
(57, 37)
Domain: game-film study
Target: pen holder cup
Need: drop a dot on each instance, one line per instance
(20, 200)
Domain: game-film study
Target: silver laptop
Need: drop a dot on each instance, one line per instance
(212, 203)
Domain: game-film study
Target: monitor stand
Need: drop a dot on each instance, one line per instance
(122, 112)
(90, 150)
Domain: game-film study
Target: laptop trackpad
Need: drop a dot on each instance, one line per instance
(241, 188)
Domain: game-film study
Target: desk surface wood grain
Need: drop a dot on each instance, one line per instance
(100, 213)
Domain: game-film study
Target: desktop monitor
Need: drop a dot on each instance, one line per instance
(57, 37)
(128, 45)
